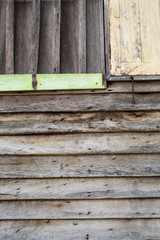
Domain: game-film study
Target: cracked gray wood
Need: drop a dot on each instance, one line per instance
(79, 188)
(79, 229)
(146, 165)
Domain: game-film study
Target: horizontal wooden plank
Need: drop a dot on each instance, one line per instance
(85, 188)
(72, 144)
(80, 229)
(88, 209)
(113, 86)
(39, 123)
(79, 103)
(139, 86)
(136, 77)
(79, 166)
(18, 82)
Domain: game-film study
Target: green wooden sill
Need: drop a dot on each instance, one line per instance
(40, 82)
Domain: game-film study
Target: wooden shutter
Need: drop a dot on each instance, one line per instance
(51, 36)
(135, 37)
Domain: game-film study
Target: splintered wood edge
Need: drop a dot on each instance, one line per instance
(40, 82)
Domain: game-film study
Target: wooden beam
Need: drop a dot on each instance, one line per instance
(35, 36)
(80, 229)
(87, 209)
(9, 67)
(51, 82)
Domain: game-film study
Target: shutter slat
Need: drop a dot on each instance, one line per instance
(9, 49)
(73, 36)
(49, 48)
(35, 36)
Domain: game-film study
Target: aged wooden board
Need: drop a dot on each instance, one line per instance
(95, 37)
(81, 166)
(49, 50)
(26, 82)
(34, 51)
(73, 36)
(9, 40)
(76, 188)
(111, 143)
(40, 123)
(79, 103)
(143, 86)
(88, 209)
(135, 35)
(23, 33)
(2, 35)
(79, 229)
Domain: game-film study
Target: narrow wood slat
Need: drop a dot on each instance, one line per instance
(49, 48)
(2, 35)
(95, 37)
(107, 38)
(9, 45)
(136, 77)
(34, 51)
(79, 188)
(73, 36)
(40, 123)
(88, 209)
(113, 143)
(79, 103)
(144, 165)
(23, 33)
(80, 229)
(19, 82)
(143, 86)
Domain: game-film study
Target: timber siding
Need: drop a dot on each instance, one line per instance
(81, 165)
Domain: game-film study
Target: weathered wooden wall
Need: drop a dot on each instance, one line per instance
(81, 165)
(77, 165)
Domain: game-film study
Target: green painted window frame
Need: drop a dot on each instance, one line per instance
(44, 82)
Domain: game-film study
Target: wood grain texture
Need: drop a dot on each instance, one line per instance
(34, 51)
(97, 143)
(73, 36)
(140, 87)
(40, 123)
(95, 37)
(79, 229)
(2, 35)
(135, 44)
(88, 209)
(49, 51)
(144, 165)
(9, 48)
(79, 188)
(79, 103)
(23, 33)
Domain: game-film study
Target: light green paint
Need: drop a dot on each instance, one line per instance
(16, 82)
(69, 81)
(23, 82)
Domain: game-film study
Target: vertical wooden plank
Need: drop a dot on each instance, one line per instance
(49, 48)
(9, 48)
(107, 38)
(35, 36)
(2, 35)
(23, 33)
(95, 37)
(114, 10)
(73, 36)
(130, 36)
